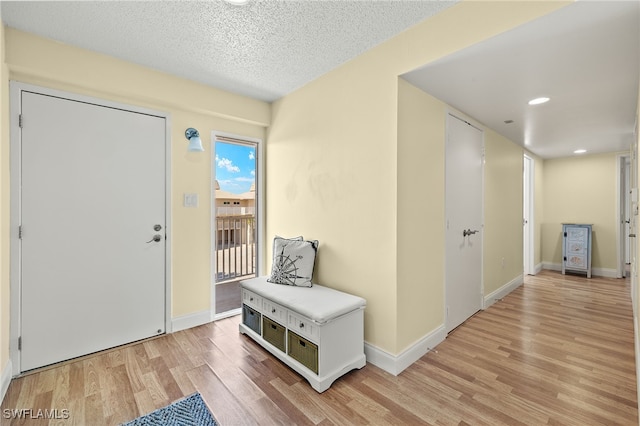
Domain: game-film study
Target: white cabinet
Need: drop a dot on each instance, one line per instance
(317, 331)
(576, 248)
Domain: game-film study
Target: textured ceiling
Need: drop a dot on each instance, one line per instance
(585, 56)
(264, 50)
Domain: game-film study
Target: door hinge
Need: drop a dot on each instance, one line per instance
(20, 343)
(20, 232)
(20, 121)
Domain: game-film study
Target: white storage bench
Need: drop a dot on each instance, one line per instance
(317, 331)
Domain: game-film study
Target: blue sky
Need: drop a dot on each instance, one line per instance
(235, 167)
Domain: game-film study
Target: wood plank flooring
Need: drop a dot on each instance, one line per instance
(558, 350)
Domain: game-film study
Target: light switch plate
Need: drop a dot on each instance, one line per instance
(191, 200)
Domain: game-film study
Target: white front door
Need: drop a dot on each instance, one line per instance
(92, 200)
(463, 179)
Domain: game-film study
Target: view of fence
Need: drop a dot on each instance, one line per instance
(235, 247)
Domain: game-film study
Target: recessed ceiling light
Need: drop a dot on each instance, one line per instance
(237, 2)
(579, 151)
(538, 101)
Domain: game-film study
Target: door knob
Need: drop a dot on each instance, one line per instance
(466, 232)
(156, 238)
(157, 227)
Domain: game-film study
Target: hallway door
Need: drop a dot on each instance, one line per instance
(464, 189)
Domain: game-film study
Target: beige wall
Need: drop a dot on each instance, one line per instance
(35, 60)
(335, 165)
(503, 234)
(580, 190)
(420, 225)
(335, 159)
(538, 208)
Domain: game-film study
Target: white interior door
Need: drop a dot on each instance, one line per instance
(93, 189)
(464, 157)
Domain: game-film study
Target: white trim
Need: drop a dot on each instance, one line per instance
(15, 215)
(601, 272)
(538, 269)
(168, 327)
(621, 160)
(395, 364)
(195, 319)
(260, 213)
(552, 266)
(228, 314)
(498, 294)
(619, 238)
(5, 380)
(15, 89)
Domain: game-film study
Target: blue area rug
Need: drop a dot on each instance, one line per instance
(189, 411)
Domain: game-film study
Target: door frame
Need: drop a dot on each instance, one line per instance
(260, 187)
(621, 238)
(528, 205)
(15, 106)
(460, 116)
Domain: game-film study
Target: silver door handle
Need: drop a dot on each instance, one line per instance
(466, 232)
(156, 238)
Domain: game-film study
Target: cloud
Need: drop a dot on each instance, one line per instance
(251, 155)
(253, 172)
(244, 179)
(225, 163)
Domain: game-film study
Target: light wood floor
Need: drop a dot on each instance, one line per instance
(558, 350)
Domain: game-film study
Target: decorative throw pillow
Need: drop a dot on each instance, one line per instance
(293, 261)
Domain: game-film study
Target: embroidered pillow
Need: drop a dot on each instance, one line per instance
(293, 261)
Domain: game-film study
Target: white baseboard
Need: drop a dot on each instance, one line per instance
(5, 379)
(191, 320)
(601, 272)
(228, 314)
(494, 296)
(395, 364)
(537, 268)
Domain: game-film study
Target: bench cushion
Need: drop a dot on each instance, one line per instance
(318, 303)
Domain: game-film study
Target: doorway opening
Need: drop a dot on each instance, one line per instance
(235, 214)
(624, 216)
(527, 216)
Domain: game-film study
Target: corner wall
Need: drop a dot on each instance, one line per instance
(421, 213)
(580, 190)
(336, 169)
(503, 198)
(539, 210)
